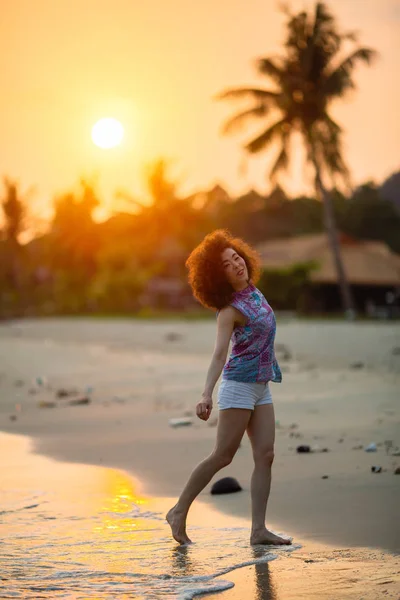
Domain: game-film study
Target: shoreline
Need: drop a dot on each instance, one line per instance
(314, 571)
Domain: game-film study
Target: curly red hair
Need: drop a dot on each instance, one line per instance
(206, 275)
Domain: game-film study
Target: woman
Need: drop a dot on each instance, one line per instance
(222, 274)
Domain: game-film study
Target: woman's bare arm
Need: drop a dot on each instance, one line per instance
(225, 325)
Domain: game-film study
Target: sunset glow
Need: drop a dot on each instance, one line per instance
(107, 133)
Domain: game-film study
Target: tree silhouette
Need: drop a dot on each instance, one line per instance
(308, 77)
(14, 209)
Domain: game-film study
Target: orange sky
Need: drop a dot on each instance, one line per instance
(156, 65)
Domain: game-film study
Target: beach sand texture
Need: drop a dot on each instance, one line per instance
(340, 391)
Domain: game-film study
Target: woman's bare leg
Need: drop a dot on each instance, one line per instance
(232, 424)
(261, 432)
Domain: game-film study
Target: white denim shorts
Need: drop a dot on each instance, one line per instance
(240, 394)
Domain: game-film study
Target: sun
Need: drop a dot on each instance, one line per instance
(107, 133)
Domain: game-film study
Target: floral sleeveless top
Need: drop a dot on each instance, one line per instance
(252, 356)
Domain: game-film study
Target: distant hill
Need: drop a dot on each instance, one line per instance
(390, 189)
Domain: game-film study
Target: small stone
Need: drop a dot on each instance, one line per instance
(397, 471)
(13, 417)
(396, 350)
(303, 449)
(359, 447)
(325, 477)
(227, 485)
(357, 365)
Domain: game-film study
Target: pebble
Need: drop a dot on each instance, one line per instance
(227, 485)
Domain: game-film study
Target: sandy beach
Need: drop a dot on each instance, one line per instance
(340, 392)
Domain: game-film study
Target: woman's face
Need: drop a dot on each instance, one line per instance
(235, 269)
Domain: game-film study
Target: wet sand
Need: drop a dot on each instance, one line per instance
(141, 378)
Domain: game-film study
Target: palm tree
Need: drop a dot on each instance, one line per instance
(308, 77)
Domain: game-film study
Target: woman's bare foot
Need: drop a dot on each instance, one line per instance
(178, 526)
(267, 537)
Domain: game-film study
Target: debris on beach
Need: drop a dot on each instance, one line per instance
(358, 447)
(357, 365)
(172, 336)
(64, 393)
(376, 469)
(13, 417)
(180, 422)
(397, 471)
(226, 485)
(325, 477)
(396, 350)
(79, 401)
(303, 449)
(42, 382)
(318, 449)
(371, 447)
(47, 404)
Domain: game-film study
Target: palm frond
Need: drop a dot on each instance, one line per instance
(270, 67)
(265, 138)
(335, 126)
(254, 93)
(238, 121)
(339, 80)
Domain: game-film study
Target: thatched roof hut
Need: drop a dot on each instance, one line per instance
(366, 262)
